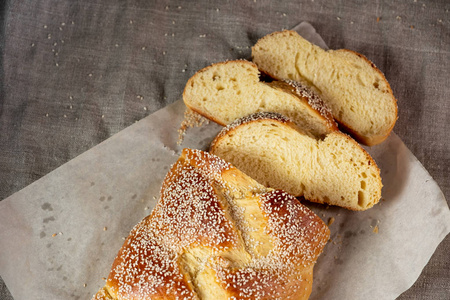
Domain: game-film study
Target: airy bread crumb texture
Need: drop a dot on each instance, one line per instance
(217, 234)
(334, 170)
(224, 92)
(357, 92)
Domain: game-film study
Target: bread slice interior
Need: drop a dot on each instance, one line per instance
(224, 92)
(355, 90)
(271, 149)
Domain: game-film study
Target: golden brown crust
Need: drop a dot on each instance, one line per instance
(192, 214)
(311, 100)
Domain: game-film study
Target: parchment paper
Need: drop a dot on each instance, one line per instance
(59, 236)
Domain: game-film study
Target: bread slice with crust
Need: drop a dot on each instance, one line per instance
(355, 90)
(224, 92)
(271, 149)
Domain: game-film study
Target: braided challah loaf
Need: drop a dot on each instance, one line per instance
(218, 234)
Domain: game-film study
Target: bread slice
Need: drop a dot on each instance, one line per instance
(218, 234)
(356, 91)
(271, 149)
(224, 92)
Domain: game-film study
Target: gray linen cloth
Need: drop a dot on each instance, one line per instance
(73, 73)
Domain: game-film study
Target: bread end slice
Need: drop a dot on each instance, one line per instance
(357, 92)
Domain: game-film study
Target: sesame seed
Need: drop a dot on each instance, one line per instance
(199, 206)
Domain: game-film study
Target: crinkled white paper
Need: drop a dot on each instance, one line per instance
(59, 236)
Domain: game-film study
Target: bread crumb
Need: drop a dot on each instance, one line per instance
(330, 221)
(378, 19)
(55, 234)
(375, 229)
(105, 228)
(85, 285)
(191, 119)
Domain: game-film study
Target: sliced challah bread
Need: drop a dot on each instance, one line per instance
(357, 92)
(224, 92)
(217, 234)
(270, 148)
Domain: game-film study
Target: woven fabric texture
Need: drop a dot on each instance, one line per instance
(74, 73)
